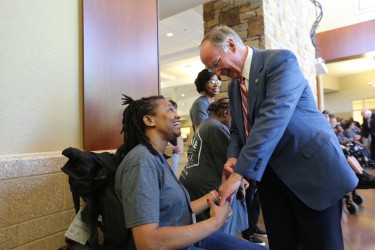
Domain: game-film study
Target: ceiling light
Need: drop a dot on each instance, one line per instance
(169, 34)
(182, 94)
(372, 84)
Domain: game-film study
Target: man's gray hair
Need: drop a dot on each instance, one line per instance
(220, 34)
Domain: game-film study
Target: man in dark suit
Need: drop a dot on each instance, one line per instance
(368, 128)
(284, 143)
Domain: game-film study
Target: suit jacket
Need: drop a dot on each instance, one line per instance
(369, 130)
(288, 133)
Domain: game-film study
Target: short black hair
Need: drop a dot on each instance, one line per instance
(216, 105)
(203, 77)
(174, 104)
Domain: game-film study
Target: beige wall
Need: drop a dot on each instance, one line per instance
(40, 112)
(40, 97)
(352, 87)
(331, 83)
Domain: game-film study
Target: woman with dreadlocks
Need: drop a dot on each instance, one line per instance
(156, 206)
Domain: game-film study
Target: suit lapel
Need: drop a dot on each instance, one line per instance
(254, 82)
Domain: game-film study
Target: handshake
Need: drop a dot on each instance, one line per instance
(227, 172)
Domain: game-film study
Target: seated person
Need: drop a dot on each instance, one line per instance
(351, 142)
(156, 205)
(207, 154)
(365, 180)
(350, 131)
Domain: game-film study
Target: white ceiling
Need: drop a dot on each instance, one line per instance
(179, 54)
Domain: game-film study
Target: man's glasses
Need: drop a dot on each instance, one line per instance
(213, 82)
(216, 63)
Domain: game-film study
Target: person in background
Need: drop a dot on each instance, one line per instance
(351, 131)
(208, 85)
(253, 210)
(368, 128)
(281, 140)
(206, 157)
(156, 206)
(176, 146)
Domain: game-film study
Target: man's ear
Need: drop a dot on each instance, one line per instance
(226, 113)
(232, 45)
(149, 121)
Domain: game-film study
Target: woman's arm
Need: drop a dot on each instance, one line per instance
(200, 205)
(151, 236)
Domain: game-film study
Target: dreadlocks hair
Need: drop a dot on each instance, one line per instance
(133, 126)
(216, 105)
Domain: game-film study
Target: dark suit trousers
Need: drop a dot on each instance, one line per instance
(253, 208)
(290, 224)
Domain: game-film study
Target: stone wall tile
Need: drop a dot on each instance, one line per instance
(220, 4)
(222, 95)
(256, 4)
(212, 23)
(8, 238)
(245, 16)
(68, 200)
(230, 17)
(43, 227)
(245, 7)
(224, 86)
(42, 165)
(259, 12)
(208, 6)
(29, 198)
(256, 26)
(253, 43)
(52, 242)
(237, 3)
(9, 168)
(242, 34)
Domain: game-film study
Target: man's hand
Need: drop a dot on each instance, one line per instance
(230, 187)
(228, 169)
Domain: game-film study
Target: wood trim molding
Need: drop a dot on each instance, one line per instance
(347, 41)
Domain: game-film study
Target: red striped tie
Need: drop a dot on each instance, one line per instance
(245, 106)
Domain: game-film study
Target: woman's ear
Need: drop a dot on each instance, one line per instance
(149, 121)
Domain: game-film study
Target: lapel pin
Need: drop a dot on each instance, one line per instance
(256, 81)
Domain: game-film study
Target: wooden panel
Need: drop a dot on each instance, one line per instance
(120, 42)
(347, 41)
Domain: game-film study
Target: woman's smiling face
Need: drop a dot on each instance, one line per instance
(166, 120)
(212, 87)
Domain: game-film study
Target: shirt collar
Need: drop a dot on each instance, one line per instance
(247, 65)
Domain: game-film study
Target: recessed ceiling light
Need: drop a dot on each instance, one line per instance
(182, 94)
(372, 84)
(169, 34)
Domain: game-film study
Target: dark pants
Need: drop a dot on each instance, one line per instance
(372, 147)
(253, 208)
(290, 224)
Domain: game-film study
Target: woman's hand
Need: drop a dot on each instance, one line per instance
(219, 213)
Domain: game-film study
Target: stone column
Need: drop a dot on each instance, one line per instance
(269, 24)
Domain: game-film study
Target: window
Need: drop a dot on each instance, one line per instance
(358, 105)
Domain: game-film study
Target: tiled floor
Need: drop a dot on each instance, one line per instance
(358, 229)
